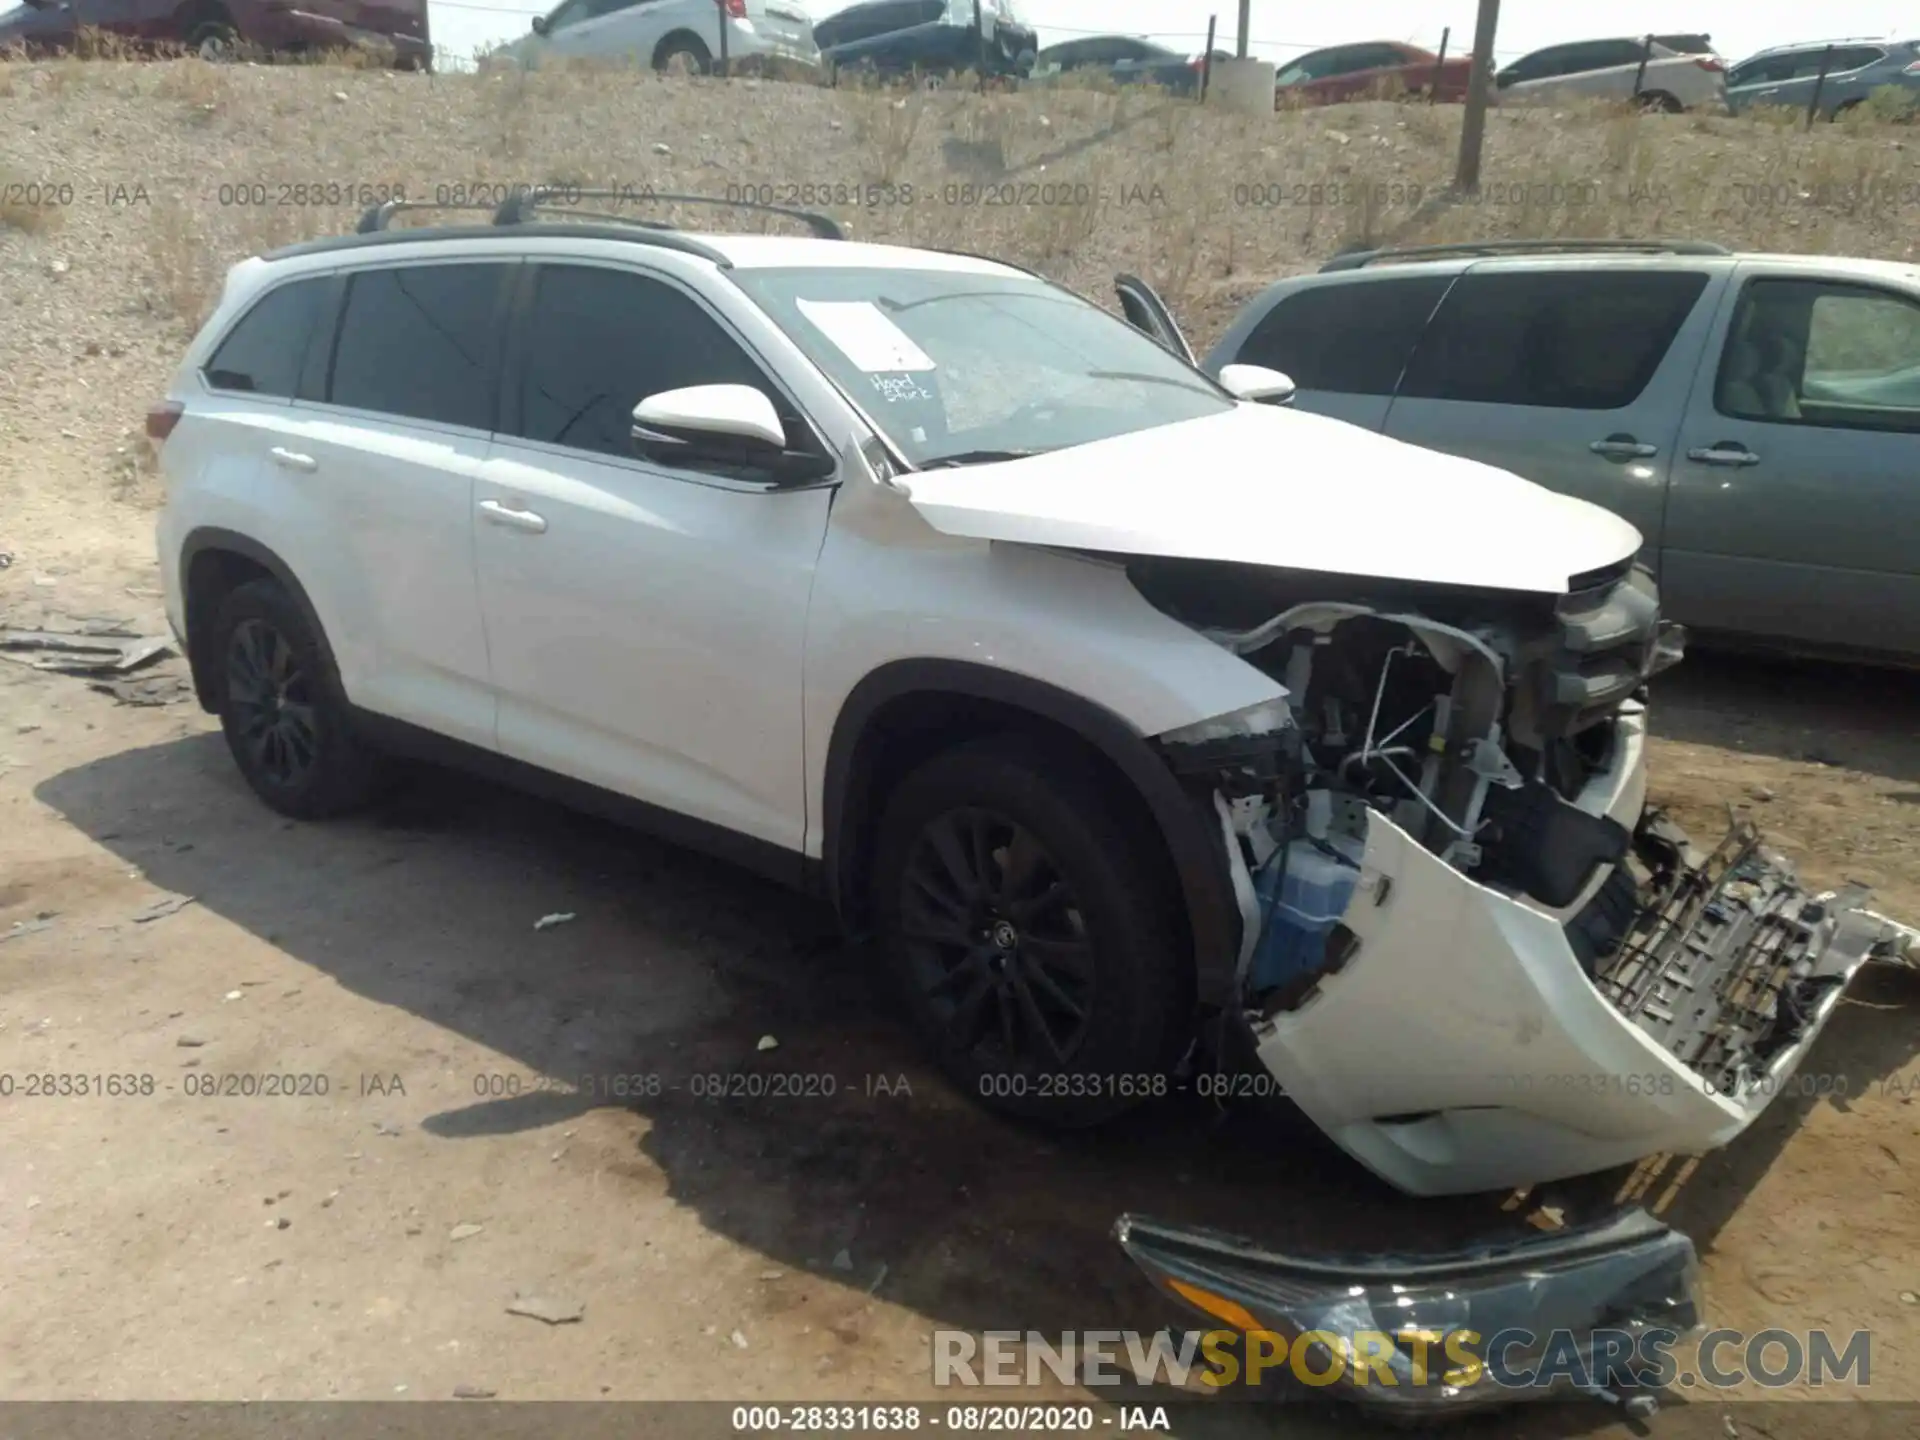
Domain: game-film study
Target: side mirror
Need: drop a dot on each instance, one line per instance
(727, 427)
(541, 24)
(1257, 382)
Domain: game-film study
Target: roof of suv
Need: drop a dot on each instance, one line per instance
(745, 252)
(1575, 255)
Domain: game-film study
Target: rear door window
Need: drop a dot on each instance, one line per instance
(1567, 339)
(263, 353)
(1350, 338)
(421, 342)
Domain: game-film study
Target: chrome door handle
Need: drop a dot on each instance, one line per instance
(513, 519)
(1725, 453)
(1622, 449)
(293, 460)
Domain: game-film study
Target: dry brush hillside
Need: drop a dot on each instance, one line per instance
(126, 189)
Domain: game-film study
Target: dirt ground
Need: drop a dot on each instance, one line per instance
(168, 1244)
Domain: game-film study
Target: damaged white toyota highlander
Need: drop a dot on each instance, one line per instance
(1148, 725)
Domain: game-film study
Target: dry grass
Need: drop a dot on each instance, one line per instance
(1077, 178)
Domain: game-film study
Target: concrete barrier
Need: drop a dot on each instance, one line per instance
(1245, 85)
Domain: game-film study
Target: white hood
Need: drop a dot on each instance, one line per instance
(1262, 485)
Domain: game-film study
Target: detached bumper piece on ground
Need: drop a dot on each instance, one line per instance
(1581, 1306)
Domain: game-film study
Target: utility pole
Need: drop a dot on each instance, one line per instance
(1246, 26)
(1473, 125)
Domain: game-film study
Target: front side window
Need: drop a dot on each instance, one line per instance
(262, 354)
(420, 342)
(1351, 338)
(1320, 65)
(600, 341)
(578, 12)
(1810, 352)
(950, 363)
(1567, 339)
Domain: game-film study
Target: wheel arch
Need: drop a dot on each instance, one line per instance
(669, 42)
(905, 712)
(213, 563)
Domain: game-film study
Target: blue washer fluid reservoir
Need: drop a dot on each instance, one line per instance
(1304, 888)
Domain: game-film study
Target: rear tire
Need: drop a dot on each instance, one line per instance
(215, 41)
(1031, 932)
(683, 55)
(282, 710)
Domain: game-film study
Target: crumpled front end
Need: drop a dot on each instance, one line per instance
(1469, 953)
(1471, 1042)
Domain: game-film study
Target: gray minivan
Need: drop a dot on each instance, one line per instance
(1756, 417)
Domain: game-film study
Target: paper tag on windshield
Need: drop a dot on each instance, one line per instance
(865, 336)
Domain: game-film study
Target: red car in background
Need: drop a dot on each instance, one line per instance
(1373, 69)
(394, 30)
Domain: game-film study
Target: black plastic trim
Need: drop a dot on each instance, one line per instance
(209, 537)
(775, 862)
(1190, 832)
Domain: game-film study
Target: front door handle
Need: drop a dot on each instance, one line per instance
(1727, 452)
(293, 460)
(512, 519)
(1623, 447)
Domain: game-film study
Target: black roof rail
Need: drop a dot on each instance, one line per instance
(520, 208)
(378, 217)
(1360, 259)
(587, 228)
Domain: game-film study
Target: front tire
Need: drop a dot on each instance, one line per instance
(1031, 932)
(282, 709)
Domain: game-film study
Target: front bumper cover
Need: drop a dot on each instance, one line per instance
(1584, 1311)
(1463, 1044)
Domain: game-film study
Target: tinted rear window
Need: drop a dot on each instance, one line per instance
(1578, 340)
(419, 341)
(262, 354)
(1353, 338)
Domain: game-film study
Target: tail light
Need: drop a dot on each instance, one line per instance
(1710, 62)
(162, 418)
(1913, 69)
(736, 9)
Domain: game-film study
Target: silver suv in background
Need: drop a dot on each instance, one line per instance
(1664, 72)
(1789, 74)
(1756, 417)
(669, 35)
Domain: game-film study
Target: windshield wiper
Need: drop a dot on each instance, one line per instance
(976, 457)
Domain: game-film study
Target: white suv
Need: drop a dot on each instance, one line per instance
(1147, 727)
(669, 35)
(1661, 72)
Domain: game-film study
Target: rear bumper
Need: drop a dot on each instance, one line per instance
(1464, 1045)
(281, 27)
(748, 41)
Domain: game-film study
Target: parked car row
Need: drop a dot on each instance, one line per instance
(1663, 72)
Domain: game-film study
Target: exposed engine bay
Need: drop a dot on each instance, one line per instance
(1487, 726)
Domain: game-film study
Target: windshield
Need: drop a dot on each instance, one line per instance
(955, 366)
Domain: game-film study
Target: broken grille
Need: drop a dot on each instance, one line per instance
(1715, 966)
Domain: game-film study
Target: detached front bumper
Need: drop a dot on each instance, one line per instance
(1448, 1332)
(1473, 1041)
